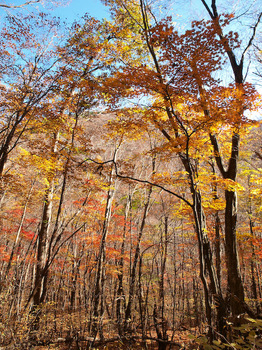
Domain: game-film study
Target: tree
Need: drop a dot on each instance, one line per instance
(189, 106)
(81, 57)
(236, 288)
(28, 77)
(98, 239)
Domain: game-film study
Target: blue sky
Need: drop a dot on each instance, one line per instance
(70, 12)
(77, 8)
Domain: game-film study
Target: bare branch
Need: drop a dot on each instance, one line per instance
(217, 155)
(30, 2)
(208, 9)
(152, 184)
(259, 155)
(214, 8)
(252, 38)
(137, 180)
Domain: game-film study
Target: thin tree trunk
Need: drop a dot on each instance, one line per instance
(101, 256)
(18, 232)
(131, 293)
(161, 324)
(43, 241)
(120, 303)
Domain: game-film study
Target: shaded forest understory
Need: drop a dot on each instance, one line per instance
(130, 181)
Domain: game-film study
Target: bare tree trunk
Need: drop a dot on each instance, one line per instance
(43, 242)
(131, 293)
(235, 282)
(142, 303)
(101, 256)
(161, 323)
(120, 303)
(252, 268)
(16, 243)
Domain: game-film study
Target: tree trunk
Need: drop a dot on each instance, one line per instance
(234, 277)
(128, 310)
(101, 256)
(235, 283)
(43, 241)
(120, 303)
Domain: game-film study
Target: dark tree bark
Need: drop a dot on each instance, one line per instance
(235, 282)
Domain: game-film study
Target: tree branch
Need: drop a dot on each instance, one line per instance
(217, 155)
(252, 38)
(151, 184)
(208, 9)
(30, 2)
(214, 8)
(138, 180)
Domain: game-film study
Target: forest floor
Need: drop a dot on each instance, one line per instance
(180, 341)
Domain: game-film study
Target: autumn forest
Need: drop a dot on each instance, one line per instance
(130, 178)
